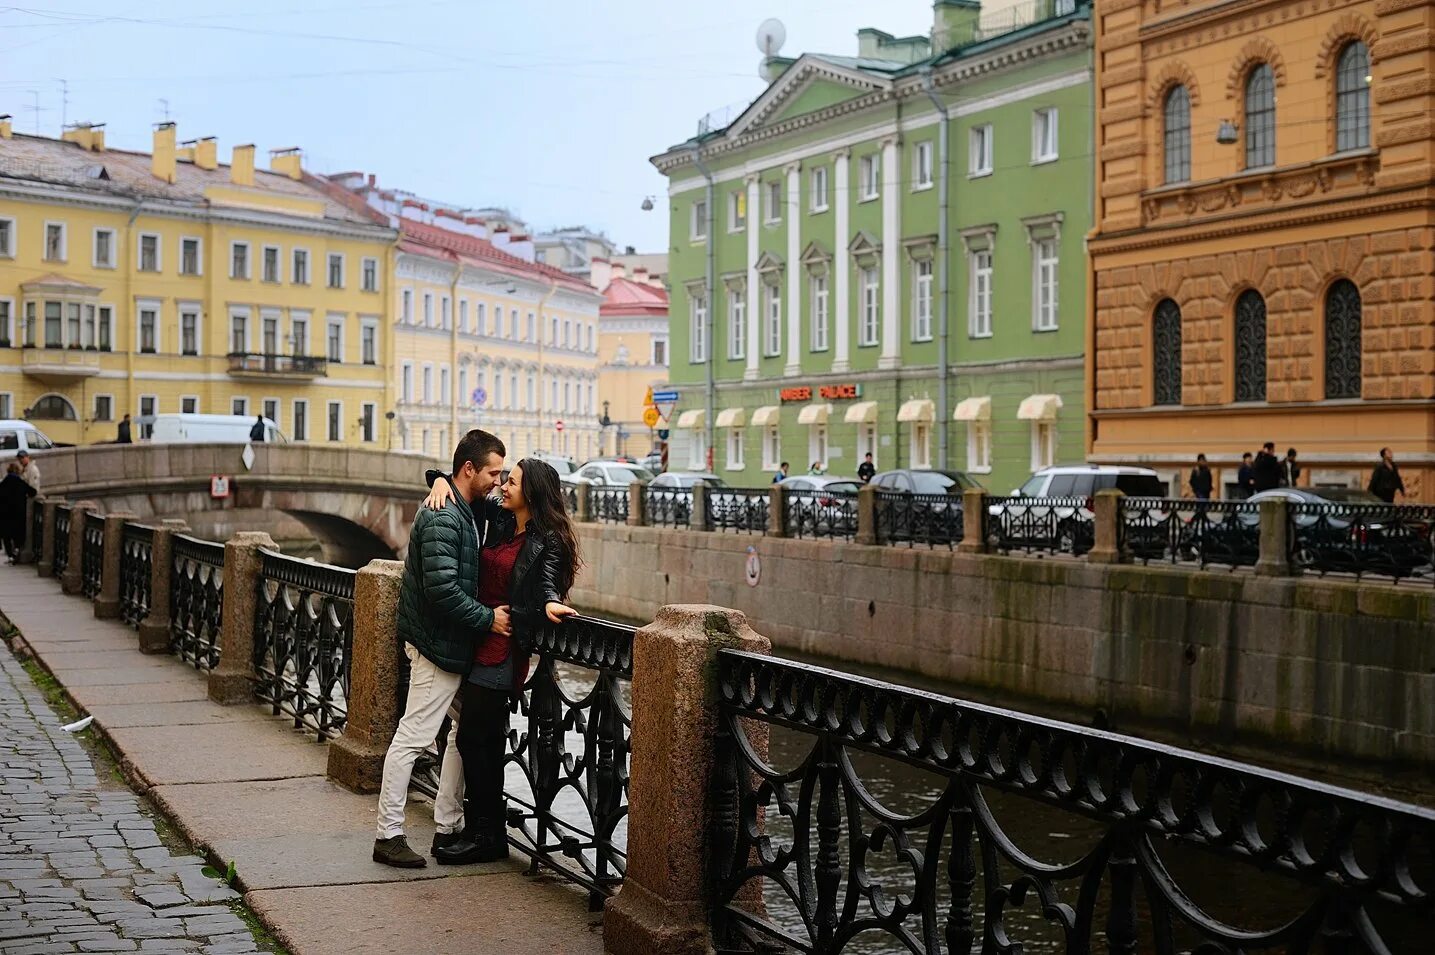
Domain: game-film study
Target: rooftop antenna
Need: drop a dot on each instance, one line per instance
(36, 108)
(164, 107)
(64, 103)
(771, 34)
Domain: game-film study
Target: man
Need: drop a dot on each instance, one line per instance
(781, 474)
(29, 470)
(1290, 471)
(1385, 479)
(126, 435)
(866, 469)
(1246, 477)
(1201, 480)
(439, 620)
(256, 433)
(1266, 472)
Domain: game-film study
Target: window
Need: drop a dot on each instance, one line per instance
(480, 320)
(774, 202)
(238, 259)
(149, 253)
(299, 333)
(922, 165)
(531, 328)
(867, 443)
(239, 406)
(408, 382)
(189, 404)
(697, 328)
(699, 226)
(149, 325)
(7, 405)
(106, 327)
(300, 274)
(271, 410)
(870, 176)
(697, 450)
(1352, 98)
(445, 313)
(54, 242)
(1044, 284)
(54, 327)
(871, 308)
(443, 384)
(188, 332)
(238, 333)
(336, 340)
(369, 344)
(7, 238)
(463, 315)
(1342, 340)
(922, 300)
(660, 353)
(73, 314)
(271, 263)
(1261, 117)
(7, 317)
(367, 422)
(979, 162)
(104, 248)
(513, 324)
(497, 391)
(979, 446)
(818, 184)
(981, 303)
(406, 307)
(369, 275)
(104, 408)
(1166, 352)
(336, 421)
(428, 310)
(1043, 135)
(567, 331)
(1043, 444)
(737, 323)
(301, 419)
(1250, 346)
(1176, 135)
(737, 210)
(149, 405)
(567, 388)
(772, 310)
(818, 301)
(921, 444)
(428, 384)
(817, 444)
(734, 449)
(336, 270)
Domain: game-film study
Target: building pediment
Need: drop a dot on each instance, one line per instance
(810, 84)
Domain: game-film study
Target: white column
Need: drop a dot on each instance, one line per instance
(840, 318)
(794, 270)
(891, 256)
(754, 287)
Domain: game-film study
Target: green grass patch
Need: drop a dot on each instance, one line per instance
(262, 936)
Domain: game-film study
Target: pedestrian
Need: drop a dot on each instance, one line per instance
(439, 622)
(1201, 479)
(125, 435)
(1266, 472)
(781, 474)
(256, 433)
(817, 470)
(14, 492)
(1385, 479)
(866, 469)
(1290, 470)
(29, 470)
(1246, 477)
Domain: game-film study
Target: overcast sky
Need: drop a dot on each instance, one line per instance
(549, 108)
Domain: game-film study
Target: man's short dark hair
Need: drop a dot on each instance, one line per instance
(868, 454)
(1245, 456)
(475, 448)
(784, 464)
(1269, 446)
(1290, 452)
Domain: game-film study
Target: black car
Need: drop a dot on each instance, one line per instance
(921, 505)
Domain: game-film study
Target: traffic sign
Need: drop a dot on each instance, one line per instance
(558, 425)
(650, 417)
(658, 397)
(663, 434)
(648, 398)
(479, 396)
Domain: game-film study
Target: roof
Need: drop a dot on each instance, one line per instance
(625, 297)
(127, 175)
(420, 238)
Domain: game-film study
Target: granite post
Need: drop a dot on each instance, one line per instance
(974, 512)
(698, 516)
(637, 517)
(72, 581)
(154, 629)
(233, 680)
(356, 759)
(107, 604)
(1274, 560)
(777, 511)
(584, 508)
(45, 565)
(1107, 508)
(28, 554)
(867, 515)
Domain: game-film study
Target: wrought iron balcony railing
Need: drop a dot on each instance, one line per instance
(265, 363)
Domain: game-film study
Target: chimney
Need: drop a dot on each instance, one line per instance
(241, 165)
(5, 129)
(640, 275)
(88, 136)
(522, 246)
(619, 271)
(954, 23)
(206, 153)
(185, 153)
(600, 273)
(163, 159)
(287, 162)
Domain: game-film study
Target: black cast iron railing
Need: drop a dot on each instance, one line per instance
(1056, 525)
(668, 506)
(911, 519)
(570, 499)
(742, 510)
(92, 554)
(1186, 530)
(304, 641)
(608, 505)
(820, 514)
(60, 550)
(136, 562)
(964, 880)
(196, 596)
(248, 362)
(37, 529)
(1383, 540)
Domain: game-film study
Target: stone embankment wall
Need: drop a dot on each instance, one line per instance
(1340, 668)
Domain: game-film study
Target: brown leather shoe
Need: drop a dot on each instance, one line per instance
(395, 851)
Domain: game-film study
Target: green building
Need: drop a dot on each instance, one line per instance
(885, 253)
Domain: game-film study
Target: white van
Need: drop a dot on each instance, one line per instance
(17, 435)
(207, 429)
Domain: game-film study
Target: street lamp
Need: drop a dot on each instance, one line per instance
(1226, 134)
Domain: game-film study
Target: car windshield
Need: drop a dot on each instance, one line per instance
(842, 487)
(688, 480)
(1140, 485)
(941, 482)
(627, 475)
(558, 464)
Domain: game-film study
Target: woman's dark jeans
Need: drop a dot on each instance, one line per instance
(482, 736)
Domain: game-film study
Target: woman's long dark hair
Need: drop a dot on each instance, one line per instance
(548, 512)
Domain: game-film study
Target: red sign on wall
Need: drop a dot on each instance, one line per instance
(795, 394)
(830, 392)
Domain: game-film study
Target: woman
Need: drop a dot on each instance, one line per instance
(530, 568)
(14, 491)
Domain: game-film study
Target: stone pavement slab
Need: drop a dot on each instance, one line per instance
(180, 713)
(206, 753)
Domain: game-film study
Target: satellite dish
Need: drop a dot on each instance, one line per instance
(770, 36)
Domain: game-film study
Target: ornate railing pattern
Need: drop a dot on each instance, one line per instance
(1201, 532)
(1057, 525)
(37, 528)
(608, 505)
(742, 510)
(136, 562)
(303, 641)
(1383, 540)
(911, 519)
(60, 551)
(92, 554)
(1353, 853)
(196, 594)
(570, 499)
(668, 506)
(820, 514)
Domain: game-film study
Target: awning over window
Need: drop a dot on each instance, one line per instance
(766, 415)
(815, 413)
(863, 412)
(918, 409)
(694, 418)
(1039, 408)
(974, 409)
(732, 417)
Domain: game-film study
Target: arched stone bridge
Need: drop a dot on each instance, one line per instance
(355, 501)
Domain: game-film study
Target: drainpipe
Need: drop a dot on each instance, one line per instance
(129, 265)
(709, 425)
(539, 331)
(1089, 371)
(454, 433)
(943, 290)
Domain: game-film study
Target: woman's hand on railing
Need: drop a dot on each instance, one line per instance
(557, 611)
(438, 495)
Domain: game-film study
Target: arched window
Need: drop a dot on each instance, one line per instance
(1176, 140)
(52, 408)
(1261, 117)
(1166, 352)
(1352, 98)
(1250, 347)
(1342, 340)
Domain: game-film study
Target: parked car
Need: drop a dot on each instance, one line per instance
(686, 479)
(1354, 531)
(17, 435)
(653, 461)
(208, 429)
(939, 520)
(924, 481)
(1068, 527)
(608, 474)
(834, 513)
(560, 464)
(677, 508)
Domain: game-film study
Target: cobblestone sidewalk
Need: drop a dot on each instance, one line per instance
(82, 868)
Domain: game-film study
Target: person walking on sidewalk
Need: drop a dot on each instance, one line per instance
(125, 433)
(1246, 477)
(440, 618)
(14, 492)
(1201, 480)
(1385, 479)
(1290, 470)
(29, 470)
(1266, 472)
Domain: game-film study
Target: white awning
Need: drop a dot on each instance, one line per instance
(766, 415)
(863, 412)
(692, 419)
(974, 409)
(1039, 408)
(918, 409)
(815, 413)
(732, 417)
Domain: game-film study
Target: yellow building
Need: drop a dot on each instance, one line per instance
(632, 351)
(144, 284)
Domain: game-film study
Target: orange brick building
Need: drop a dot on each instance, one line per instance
(1264, 249)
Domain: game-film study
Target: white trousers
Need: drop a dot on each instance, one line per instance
(431, 693)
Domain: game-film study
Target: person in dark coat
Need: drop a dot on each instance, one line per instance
(1290, 471)
(256, 433)
(125, 434)
(1246, 477)
(1201, 479)
(1385, 479)
(866, 469)
(14, 492)
(1266, 472)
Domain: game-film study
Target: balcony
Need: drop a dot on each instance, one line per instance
(248, 364)
(59, 364)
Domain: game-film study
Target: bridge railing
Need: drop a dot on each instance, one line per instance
(136, 572)
(196, 589)
(92, 553)
(60, 541)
